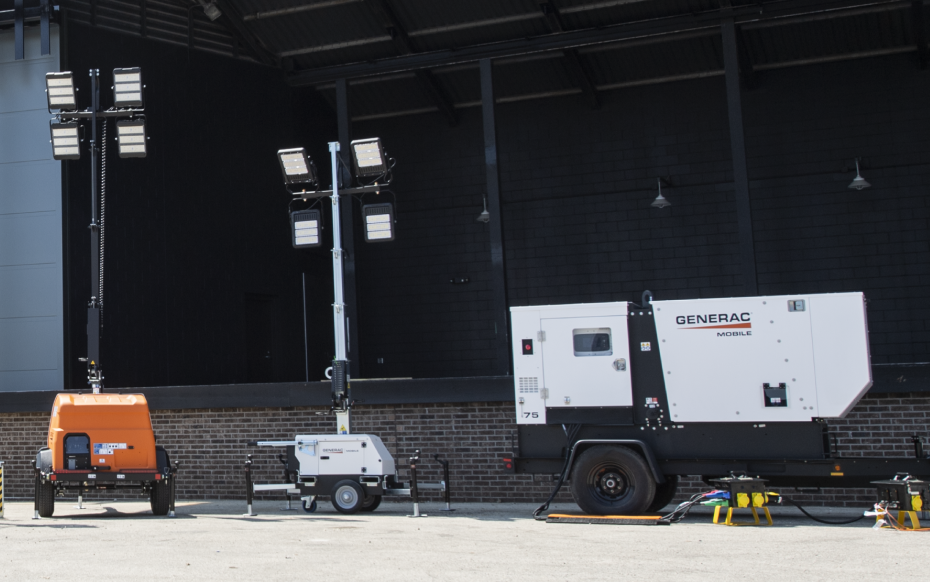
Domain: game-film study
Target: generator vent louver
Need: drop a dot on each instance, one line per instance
(528, 385)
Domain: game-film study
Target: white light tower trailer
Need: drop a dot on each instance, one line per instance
(622, 399)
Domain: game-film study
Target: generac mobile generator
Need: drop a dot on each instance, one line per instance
(102, 441)
(621, 399)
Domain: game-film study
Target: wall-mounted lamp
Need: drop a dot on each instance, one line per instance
(485, 216)
(660, 201)
(859, 182)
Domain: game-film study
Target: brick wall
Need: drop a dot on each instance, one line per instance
(473, 437)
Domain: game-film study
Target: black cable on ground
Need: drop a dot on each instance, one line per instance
(571, 433)
(794, 503)
(683, 508)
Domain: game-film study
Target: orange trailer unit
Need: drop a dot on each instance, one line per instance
(102, 441)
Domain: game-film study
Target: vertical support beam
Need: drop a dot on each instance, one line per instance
(19, 40)
(920, 33)
(143, 20)
(44, 28)
(498, 282)
(738, 147)
(348, 241)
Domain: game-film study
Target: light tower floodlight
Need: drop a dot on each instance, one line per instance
(60, 90)
(305, 226)
(65, 141)
(127, 87)
(379, 222)
(131, 137)
(296, 166)
(368, 156)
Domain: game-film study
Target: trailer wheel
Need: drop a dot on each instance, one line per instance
(371, 502)
(45, 493)
(664, 493)
(348, 496)
(159, 498)
(309, 506)
(612, 480)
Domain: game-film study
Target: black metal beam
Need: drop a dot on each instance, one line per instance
(350, 288)
(498, 282)
(232, 20)
(576, 67)
(44, 27)
(773, 13)
(738, 149)
(746, 73)
(143, 19)
(429, 84)
(19, 39)
(920, 33)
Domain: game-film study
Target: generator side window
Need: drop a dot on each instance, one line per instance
(77, 452)
(592, 342)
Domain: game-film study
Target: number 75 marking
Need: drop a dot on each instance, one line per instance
(530, 415)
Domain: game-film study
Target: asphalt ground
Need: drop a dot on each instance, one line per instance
(211, 540)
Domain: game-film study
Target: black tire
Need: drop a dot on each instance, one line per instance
(612, 480)
(348, 497)
(45, 493)
(159, 499)
(309, 507)
(371, 502)
(665, 492)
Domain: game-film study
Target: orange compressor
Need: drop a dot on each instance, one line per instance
(102, 441)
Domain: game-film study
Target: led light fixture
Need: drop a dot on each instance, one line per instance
(65, 141)
(60, 90)
(211, 10)
(127, 87)
(368, 156)
(859, 182)
(305, 226)
(131, 137)
(660, 201)
(297, 167)
(379, 222)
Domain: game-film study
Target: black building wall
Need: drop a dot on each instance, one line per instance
(199, 265)
(576, 187)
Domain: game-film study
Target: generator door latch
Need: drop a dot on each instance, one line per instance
(620, 364)
(796, 305)
(541, 336)
(775, 395)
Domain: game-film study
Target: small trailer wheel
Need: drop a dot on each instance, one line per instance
(309, 506)
(612, 480)
(45, 492)
(159, 499)
(348, 496)
(371, 502)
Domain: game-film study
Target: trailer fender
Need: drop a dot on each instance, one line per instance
(44, 459)
(636, 445)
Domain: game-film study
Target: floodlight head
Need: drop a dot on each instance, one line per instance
(660, 201)
(297, 167)
(859, 182)
(131, 137)
(305, 229)
(212, 11)
(60, 90)
(127, 87)
(379, 222)
(368, 157)
(65, 141)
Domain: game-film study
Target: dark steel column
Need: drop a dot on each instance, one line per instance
(738, 147)
(44, 28)
(348, 230)
(498, 282)
(19, 15)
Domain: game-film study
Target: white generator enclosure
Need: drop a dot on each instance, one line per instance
(746, 359)
(342, 454)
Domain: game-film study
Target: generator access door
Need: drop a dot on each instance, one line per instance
(586, 362)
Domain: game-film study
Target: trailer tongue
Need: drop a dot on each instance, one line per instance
(621, 399)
